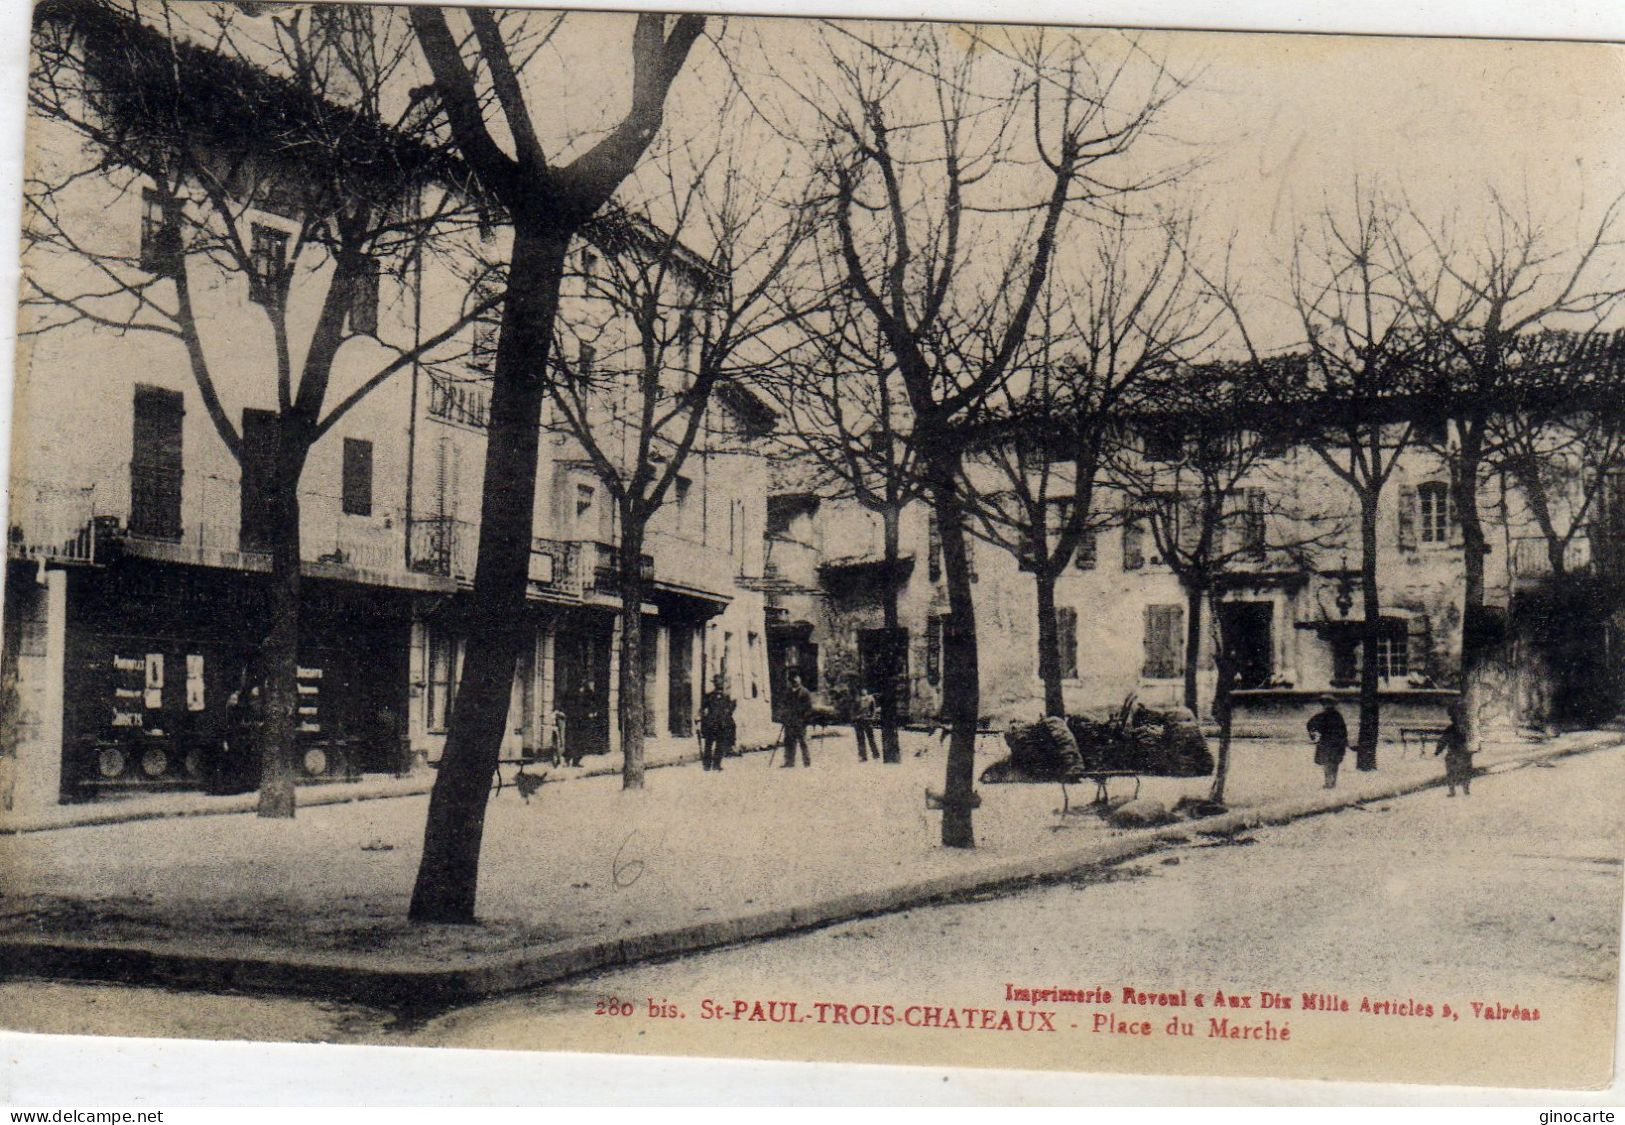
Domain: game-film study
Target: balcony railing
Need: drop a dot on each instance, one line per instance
(554, 566)
(443, 545)
(601, 568)
(59, 522)
(1531, 559)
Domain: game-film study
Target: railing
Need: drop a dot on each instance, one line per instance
(57, 521)
(554, 566)
(1531, 559)
(443, 545)
(601, 568)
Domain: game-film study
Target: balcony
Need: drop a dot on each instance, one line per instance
(601, 568)
(555, 567)
(58, 522)
(1530, 561)
(443, 546)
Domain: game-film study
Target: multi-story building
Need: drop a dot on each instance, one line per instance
(1293, 618)
(137, 548)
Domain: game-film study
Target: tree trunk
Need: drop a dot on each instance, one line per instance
(1049, 653)
(890, 747)
(1365, 751)
(275, 738)
(448, 873)
(961, 680)
(1194, 596)
(1223, 713)
(630, 712)
(1476, 635)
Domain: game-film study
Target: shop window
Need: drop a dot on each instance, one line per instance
(357, 477)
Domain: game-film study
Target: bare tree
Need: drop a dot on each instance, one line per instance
(1355, 406)
(1480, 298)
(206, 121)
(546, 203)
(1132, 315)
(1211, 481)
(945, 217)
(846, 414)
(636, 381)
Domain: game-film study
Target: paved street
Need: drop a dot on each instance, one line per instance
(1511, 896)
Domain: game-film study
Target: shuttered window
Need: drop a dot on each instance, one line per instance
(1086, 556)
(1164, 642)
(1133, 542)
(155, 464)
(357, 477)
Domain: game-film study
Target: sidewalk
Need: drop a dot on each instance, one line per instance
(586, 875)
(658, 752)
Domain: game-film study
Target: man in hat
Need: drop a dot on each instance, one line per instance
(1330, 735)
(798, 705)
(716, 724)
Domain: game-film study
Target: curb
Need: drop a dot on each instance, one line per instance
(426, 983)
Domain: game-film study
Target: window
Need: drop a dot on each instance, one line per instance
(1433, 431)
(1164, 642)
(364, 300)
(482, 353)
(1436, 512)
(357, 477)
(1086, 556)
(681, 487)
(155, 464)
(1066, 640)
(1393, 656)
(586, 356)
(1133, 542)
(268, 254)
(585, 495)
(1252, 523)
(160, 235)
(442, 680)
(589, 265)
(933, 550)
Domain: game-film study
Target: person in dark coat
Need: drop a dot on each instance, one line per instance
(716, 724)
(1458, 756)
(1330, 734)
(797, 709)
(864, 711)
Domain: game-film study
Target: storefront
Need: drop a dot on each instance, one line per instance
(155, 655)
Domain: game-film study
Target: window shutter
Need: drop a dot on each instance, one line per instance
(1133, 542)
(1085, 557)
(933, 649)
(1419, 640)
(970, 557)
(933, 536)
(1407, 518)
(1454, 518)
(1162, 641)
(357, 489)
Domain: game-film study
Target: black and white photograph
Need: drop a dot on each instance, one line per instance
(939, 544)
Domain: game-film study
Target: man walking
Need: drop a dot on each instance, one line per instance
(1330, 734)
(716, 724)
(863, 722)
(797, 707)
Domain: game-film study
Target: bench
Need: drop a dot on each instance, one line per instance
(1422, 735)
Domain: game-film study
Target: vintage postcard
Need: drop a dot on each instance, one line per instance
(1036, 547)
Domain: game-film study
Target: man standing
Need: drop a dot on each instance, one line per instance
(716, 724)
(1330, 734)
(863, 722)
(796, 710)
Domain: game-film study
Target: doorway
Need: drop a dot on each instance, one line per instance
(1249, 634)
